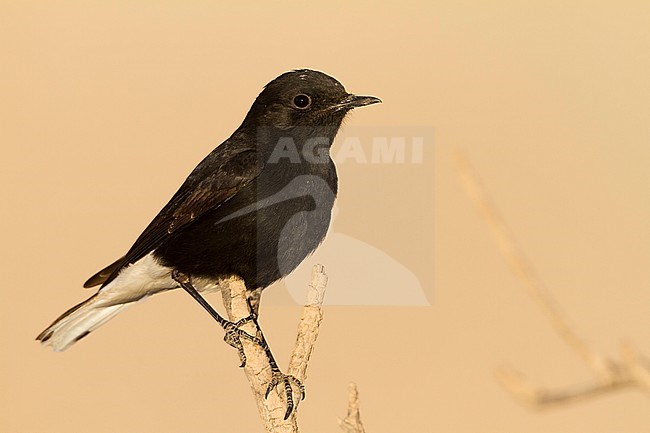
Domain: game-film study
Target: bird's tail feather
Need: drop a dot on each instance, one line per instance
(78, 322)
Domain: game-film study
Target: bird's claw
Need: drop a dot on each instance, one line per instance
(234, 336)
(277, 377)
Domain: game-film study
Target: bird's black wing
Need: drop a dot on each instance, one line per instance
(228, 172)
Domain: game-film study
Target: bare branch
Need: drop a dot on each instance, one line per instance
(538, 396)
(352, 422)
(631, 371)
(258, 369)
(638, 366)
(312, 315)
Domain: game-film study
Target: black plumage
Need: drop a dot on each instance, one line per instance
(255, 207)
(203, 232)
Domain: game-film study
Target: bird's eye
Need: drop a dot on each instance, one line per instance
(302, 101)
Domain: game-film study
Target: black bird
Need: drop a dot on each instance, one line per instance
(255, 208)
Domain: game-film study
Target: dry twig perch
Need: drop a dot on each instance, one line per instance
(258, 369)
(352, 422)
(631, 370)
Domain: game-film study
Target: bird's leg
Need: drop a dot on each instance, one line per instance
(233, 333)
(253, 297)
(277, 377)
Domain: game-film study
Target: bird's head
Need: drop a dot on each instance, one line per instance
(304, 98)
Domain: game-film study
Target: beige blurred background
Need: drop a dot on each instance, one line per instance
(107, 107)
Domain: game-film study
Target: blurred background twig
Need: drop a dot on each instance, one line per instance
(631, 370)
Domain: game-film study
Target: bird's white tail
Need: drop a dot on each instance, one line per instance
(78, 322)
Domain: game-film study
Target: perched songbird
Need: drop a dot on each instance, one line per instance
(254, 208)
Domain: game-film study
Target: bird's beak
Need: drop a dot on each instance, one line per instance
(353, 101)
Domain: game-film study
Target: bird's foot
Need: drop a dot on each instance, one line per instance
(234, 336)
(277, 378)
